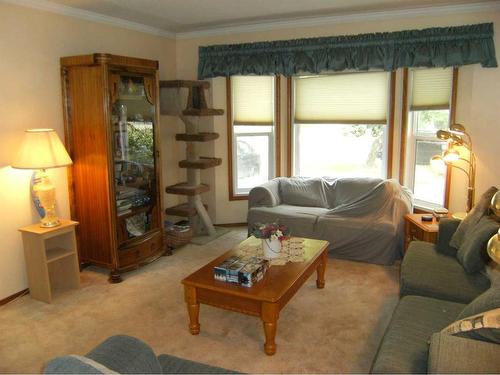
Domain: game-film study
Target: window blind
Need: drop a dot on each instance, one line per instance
(431, 88)
(353, 98)
(253, 100)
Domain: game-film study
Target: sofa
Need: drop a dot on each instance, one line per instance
(440, 285)
(362, 218)
(127, 355)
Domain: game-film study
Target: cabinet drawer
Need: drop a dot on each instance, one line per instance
(136, 253)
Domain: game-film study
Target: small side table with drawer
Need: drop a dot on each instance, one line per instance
(416, 229)
(51, 258)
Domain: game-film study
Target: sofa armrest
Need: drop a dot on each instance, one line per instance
(452, 354)
(447, 227)
(267, 194)
(125, 354)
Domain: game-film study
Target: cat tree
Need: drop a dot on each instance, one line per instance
(196, 107)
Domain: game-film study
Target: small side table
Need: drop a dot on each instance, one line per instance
(416, 229)
(51, 259)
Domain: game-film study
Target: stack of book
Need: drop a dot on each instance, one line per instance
(245, 271)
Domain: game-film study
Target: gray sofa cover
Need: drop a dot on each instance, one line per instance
(127, 355)
(362, 218)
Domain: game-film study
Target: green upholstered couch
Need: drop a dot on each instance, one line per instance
(435, 289)
(127, 355)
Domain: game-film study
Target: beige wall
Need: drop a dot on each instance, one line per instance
(32, 41)
(31, 44)
(479, 90)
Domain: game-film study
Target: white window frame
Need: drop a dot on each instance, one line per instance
(236, 193)
(413, 138)
(294, 129)
(408, 155)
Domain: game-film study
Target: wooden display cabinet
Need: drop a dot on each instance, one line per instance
(111, 116)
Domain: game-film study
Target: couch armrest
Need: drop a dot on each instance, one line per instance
(452, 354)
(125, 354)
(267, 194)
(447, 227)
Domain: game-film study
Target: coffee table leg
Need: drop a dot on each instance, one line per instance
(269, 315)
(320, 281)
(193, 307)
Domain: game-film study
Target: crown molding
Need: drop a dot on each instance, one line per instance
(276, 24)
(267, 25)
(90, 16)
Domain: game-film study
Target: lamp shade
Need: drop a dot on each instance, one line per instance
(495, 203)
(494, 247)
(449, 156)
(41, 149)
(457, 128)
(443, 134)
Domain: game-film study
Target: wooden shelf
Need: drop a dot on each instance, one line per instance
(184, 83)
(131, 97)
(201, 163)
(57, 253)
(184, 189)
(200, 137)
(133, 211)
(203, 112)
(183, 210)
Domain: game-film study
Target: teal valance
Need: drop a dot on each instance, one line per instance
(433, 47)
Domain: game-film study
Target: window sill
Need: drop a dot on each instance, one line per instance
(238, 197)
(420, 208)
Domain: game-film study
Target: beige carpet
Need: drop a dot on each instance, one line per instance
(336, 329)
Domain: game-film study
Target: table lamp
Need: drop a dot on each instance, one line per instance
(42, 149)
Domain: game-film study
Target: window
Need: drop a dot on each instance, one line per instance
(429, 94)
(340, 125)
(253, 132)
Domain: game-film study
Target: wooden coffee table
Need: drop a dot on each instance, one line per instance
(265, 299)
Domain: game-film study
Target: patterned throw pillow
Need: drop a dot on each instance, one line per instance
(477, 326)
(467, 225)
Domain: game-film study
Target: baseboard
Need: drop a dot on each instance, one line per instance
(230, 225)
(13, 297)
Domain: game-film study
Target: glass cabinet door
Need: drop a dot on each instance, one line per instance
(133, 122)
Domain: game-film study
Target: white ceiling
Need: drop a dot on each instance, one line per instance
(181, 16)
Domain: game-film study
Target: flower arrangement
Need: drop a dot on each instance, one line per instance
(272, 231)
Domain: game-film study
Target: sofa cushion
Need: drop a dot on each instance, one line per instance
(404, 347)
(300, 220)
(174, 365)
(456, 355)
(489, 300)
(472, 253)
(478, 211)
(360, 239)
(302, 192)
(346, 190)
(426, 272)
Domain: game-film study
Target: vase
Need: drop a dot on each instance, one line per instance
(272, 248)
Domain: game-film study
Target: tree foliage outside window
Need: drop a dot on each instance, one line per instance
(140, 143)
(377, 133)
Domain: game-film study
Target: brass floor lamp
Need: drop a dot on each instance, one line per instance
(457, 136)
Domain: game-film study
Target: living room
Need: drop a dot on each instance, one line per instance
(339, 327)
